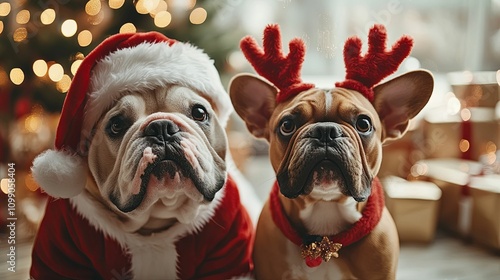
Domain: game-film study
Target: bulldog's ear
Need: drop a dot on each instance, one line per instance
(254, 99)
(400, 99)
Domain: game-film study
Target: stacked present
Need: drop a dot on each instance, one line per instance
(455, 149)
(414, 207)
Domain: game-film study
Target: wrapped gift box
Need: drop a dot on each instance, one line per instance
(468, 135)
(485, 226)
(475, 89)
(414, 208)
(452, 177)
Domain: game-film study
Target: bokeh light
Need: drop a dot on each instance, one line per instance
(93, 7)
(163, 19)
(69, 27)
(56, 72)
(116, 4)
(20, 34)
(198, 16)
(23, 17)
(40, 67)
(17, 76)
(84, 38)
(75, 65)
(128, 28)
(48, 16)
(5, 9)
(63, 85)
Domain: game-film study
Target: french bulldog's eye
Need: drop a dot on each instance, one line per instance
(199, 113)
(287, 127)
(117, 126)
(363, 124)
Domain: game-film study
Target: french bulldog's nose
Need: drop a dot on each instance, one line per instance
(326, 132)
(161, 129)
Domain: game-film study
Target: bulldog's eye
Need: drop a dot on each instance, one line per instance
(287, 127)
(199, 113)
(363, 124)
(117, 126)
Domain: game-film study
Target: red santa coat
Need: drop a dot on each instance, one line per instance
(68, 246)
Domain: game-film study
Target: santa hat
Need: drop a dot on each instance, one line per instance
(122, 63)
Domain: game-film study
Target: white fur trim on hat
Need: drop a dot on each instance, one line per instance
(59, 174)
(150, 65)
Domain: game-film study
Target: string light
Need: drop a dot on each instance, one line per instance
(32, 123)
(116, 4)
(140, 8)
(93, 7)
(17, 76)
(465, 114)
(4, 185)
(40, 67)
(23, 17)
(63, 85)
(75, 65)
(4, 9)
(464, 145)
(151, 5)
(491, 148)
(48, 16)
(162, 6)
(56, 72)
(198, 16)
(30, 183)
(163, 19)
(69, 27)
(128, 28)
(84, 38)
(1, 27)
(20, 34)
(185, 4)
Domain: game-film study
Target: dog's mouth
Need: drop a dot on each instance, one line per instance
(157, 168)
(325, 176)
(323, 173)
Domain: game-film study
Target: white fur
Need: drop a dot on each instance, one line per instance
(321, 218)
(59, 174)
(151, 65)
(329, 217)
(328, 100)
(153, 256)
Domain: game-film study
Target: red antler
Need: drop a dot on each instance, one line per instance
(283, 71)
(363, 72)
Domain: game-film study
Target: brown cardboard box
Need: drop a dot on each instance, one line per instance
(450, 175)
(444, 133)
(414, 208)
(485, 226)
(475, 89)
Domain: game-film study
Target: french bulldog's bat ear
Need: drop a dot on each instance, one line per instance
(254, 99)
(400, 99)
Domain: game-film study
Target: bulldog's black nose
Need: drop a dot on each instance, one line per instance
(161, 129)
(326, 132)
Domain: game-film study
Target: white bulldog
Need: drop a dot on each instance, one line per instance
(141, 156)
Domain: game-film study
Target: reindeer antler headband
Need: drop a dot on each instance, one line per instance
(363, 72)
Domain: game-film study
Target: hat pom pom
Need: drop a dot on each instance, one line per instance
(59, 174)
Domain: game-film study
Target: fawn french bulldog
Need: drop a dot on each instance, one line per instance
(325, 217)
(140, 170)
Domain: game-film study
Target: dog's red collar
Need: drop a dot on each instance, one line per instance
(315, 249)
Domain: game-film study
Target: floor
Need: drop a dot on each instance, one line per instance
(445, 258)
